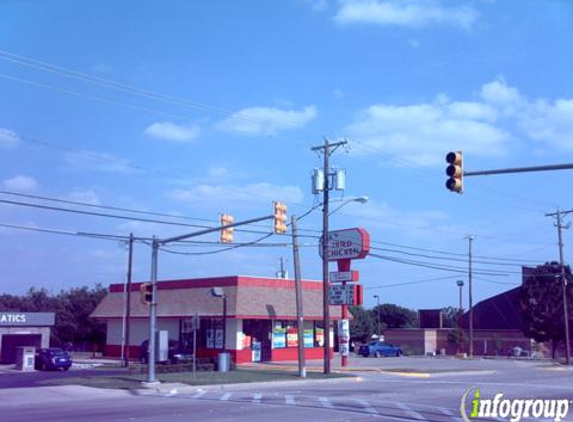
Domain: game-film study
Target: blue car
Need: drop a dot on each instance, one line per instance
(379, 348)
(52, 358)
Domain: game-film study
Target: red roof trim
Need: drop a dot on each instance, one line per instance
(195, 283)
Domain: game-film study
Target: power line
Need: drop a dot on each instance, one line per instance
(107, 207)
(107, 215)
(215, 252)
(448, 258)
(427, 280)
(69, 73)
(449, 268)
(93, 97)
(105, 158)
(67, 232)
(97, 214)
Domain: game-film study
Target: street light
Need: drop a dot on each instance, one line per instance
(460, 284)
(360, 199)
(325, 294)
(377, 297)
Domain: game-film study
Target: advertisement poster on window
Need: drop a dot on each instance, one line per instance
(292, 337)
(279, 338)
(219, 339)
(320, 336)
(210, 339)
(308, 338)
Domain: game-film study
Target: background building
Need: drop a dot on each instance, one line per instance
(23, 329)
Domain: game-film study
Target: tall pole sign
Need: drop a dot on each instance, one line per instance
(343, 246)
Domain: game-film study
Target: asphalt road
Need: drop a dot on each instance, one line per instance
(432, 397)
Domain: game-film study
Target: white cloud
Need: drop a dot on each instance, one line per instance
(20, 183)
(410, 13)
(255, 193)
(550, 123)
(422, 132)
(498, 92)
(169, 131)
(8, 138)
(266, 120)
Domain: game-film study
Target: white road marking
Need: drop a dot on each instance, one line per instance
(226, 396)
(199, 394)
(257, 397)
(325, 403)
(290, 400)
(410, 412)
(367, 407)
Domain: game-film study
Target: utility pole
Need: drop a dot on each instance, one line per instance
(298, 296)
(560, 227)
(128, 304)
(327, 149)
(471, 310)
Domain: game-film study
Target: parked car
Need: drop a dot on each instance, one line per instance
(52, 358)
(379, 348)
(176, 354)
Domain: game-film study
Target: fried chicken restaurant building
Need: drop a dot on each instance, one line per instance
(260, 322)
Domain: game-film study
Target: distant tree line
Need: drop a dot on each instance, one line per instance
(74, 327)
(369, 322)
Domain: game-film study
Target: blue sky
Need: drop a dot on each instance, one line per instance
(198, 108)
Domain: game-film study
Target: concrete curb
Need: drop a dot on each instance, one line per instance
(169, 389)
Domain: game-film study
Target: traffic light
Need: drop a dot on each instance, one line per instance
(280, 217)
(455, 171)
(146, 293)
(227, 234)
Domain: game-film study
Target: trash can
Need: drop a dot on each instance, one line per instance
(25, 358)
(223, 362)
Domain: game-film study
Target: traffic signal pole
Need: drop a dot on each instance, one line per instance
(298, 297)
(155, 245)
(519, 170)
(455, 184)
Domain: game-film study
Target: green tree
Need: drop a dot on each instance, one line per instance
(394, 316)
(72, 308)
(450, 317)
(362, 326)
(73, 324)
(541, 303)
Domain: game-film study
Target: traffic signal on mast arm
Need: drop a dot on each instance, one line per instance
(227, 234)
(280, 217)
(455, 171)
(146, 293)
